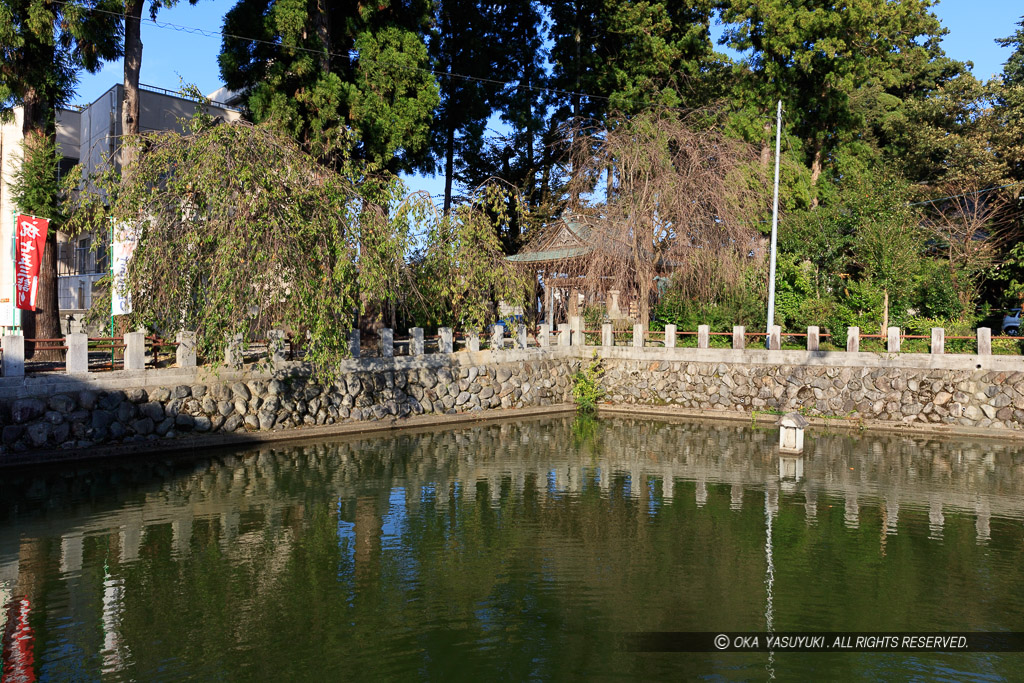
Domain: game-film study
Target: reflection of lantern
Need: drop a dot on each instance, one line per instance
(791, 467)
(791, 433)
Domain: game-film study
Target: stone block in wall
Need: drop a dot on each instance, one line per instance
(544, 335)
(185, 353)
(234, 351)
(703, 336)
(353, 344)
(13, 355)
(775, 338)
(135, 351)
(564, 334)
(497, 337)
(445, 343)
(938, 340)
(473, 341)
(387, 343)
(576, 324)
(893, 340)
(984, 341)
(607, 335)
(670, 336)
(638, 336)
(813, 338)
(739, 337)
(416, 341)
(853, 339)
(77, 358)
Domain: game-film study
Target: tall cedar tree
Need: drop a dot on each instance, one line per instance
(328, 65)
(1010, 107)
(524, 156)
(463, 44)
(815, 56)
(45, 44)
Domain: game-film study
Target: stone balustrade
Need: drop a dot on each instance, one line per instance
(567, 334)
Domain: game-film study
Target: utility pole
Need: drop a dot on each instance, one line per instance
(775, 229)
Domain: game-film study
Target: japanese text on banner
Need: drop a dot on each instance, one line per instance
(30, 241)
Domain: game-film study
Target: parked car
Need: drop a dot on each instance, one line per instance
(1011, 322)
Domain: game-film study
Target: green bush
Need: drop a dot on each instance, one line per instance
(586, 385)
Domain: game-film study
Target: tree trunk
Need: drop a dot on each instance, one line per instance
(449, 167)
(323, 32)
(765, 143)
(44, 322)
(132, 67)
(815, 173)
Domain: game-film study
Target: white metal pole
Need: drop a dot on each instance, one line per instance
(775, 227)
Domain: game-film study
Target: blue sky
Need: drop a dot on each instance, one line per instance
(174, 56)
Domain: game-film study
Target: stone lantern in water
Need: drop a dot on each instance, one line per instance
(791, 433)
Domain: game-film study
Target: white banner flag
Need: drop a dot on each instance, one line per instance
(126, 237)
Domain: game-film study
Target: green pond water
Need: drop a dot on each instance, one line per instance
(512, 551)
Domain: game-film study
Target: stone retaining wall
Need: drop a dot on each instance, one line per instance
(65, 414)
(152, 407)
(967, 391)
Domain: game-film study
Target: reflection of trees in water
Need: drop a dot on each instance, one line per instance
(556, 522)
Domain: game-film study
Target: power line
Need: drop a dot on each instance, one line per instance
(354, 54)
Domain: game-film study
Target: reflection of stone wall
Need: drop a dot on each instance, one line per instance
(542, 457)
(975, 398)
(85, 417)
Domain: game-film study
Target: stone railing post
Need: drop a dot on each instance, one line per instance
(387, 342)
(353, 343)
(14, 355)
(607, 336)
(445, 342)
(520, 340)
(497, 337)
(77, 359)
(775, 338)
(703, 336)
(544, 335)
(938, 340)
(185, 353)
(275, 345)
(564, 335)
(638, 336)
(853, 339)
(233, 357)
(473, 341)
(576, 323)
(135, 351)
(416, 341)
(984, 341)
(739, 337)
(670, 336)
(893, 339)
(813, 338)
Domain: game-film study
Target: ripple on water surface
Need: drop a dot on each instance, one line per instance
(513, 551)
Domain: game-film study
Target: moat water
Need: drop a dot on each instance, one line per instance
(512, 551)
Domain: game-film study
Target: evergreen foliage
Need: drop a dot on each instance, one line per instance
(881, 130)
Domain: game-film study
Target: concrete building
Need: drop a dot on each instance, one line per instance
(91, 136)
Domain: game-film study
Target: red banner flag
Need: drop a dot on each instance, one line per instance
(30, 240)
